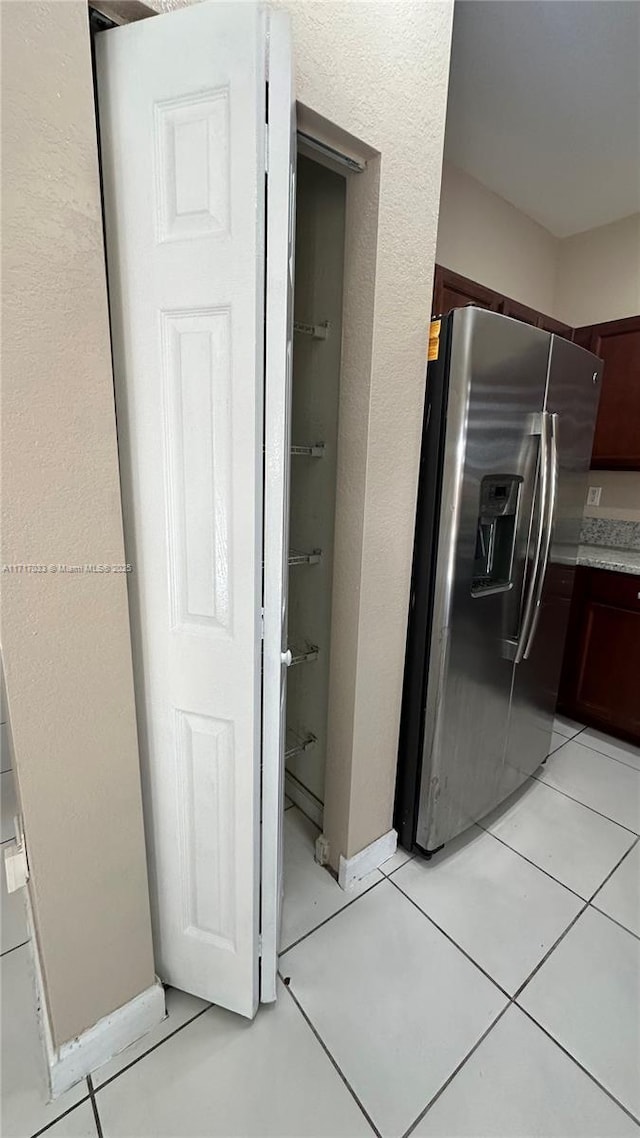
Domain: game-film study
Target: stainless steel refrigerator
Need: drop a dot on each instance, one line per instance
(509, 418)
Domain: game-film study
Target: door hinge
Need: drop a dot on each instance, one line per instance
(262, 624)
(259, 944)
(266, 148)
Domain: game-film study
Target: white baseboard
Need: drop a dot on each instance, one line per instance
(74, 1060)
(353, 869)
(304, 799)
(78, 1058)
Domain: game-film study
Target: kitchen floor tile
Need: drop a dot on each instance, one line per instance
(500, 909)
(611, 788)
(569, 841)
(567, 727)
(180, 1009)
(396, 1004)
(78, 1123)
(8, 807)
(13, 926)
(395, 861)
(519, 1083)
(557, 740)
(227, 1076)
(311, 893)
(615, 748)
(620, 896)
(24, 1082)
(587, 995)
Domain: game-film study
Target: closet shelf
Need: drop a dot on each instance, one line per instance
(296, 744)
(304, 655)
(298, 557)
(316, 451)
(315, 331)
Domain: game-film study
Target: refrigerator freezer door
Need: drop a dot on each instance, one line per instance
(497, 380)
(572, 395)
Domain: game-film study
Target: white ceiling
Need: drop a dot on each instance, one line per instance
(544, 106)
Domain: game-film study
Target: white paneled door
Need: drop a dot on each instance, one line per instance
(182, 112)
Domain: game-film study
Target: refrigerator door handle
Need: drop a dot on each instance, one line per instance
(516, 647)
(552, 455)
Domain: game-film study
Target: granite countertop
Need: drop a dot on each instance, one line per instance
(607, 557)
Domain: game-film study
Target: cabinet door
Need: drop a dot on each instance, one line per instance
(453, 291)
(555, 326)
(601, 672)
(520, 312)
(616, 445)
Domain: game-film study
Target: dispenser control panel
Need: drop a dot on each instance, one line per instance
(496, 533)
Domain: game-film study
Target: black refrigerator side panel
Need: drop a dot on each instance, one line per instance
(422, 587)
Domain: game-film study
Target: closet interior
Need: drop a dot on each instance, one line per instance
(320, 229)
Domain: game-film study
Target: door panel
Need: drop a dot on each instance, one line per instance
(496, 388)
(616, 445)
(602, 659)
(182, 110)
(453, 291)
(279, 357)
(520, 312)
(573, 396)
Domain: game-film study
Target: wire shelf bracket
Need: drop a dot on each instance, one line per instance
(315, 331)
(298, 557)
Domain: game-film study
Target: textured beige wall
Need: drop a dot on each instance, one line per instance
(65, 637)
(349, 58)
(599, 274)
(585, 279)
(485, 238)
(620, 498)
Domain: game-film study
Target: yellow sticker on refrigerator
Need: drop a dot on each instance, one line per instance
(434, 340)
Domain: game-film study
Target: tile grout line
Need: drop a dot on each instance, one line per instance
(623, 762)
(333, 1061)
(589, 900)
(15, 948)
(612, 871)
(513, 1003)
(411, 857)
(451, 940)
(456, 1071)
(535, 865)
(155, 1046)
(614, 921)
(587, 905)
(587, 807)
(514, 998)
(577, 1062)
(59, 1117)
(332, 916)
(616, 866)
(511, 999)
(94, 1106)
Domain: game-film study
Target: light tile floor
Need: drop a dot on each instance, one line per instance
(494, 991)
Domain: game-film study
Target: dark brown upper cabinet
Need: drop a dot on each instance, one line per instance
(451, 290)
(616, 444)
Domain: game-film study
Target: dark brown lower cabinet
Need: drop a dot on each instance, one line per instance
(600, 683)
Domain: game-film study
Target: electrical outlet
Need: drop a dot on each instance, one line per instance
(593, 495)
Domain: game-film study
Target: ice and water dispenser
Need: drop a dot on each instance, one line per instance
(496, 533)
